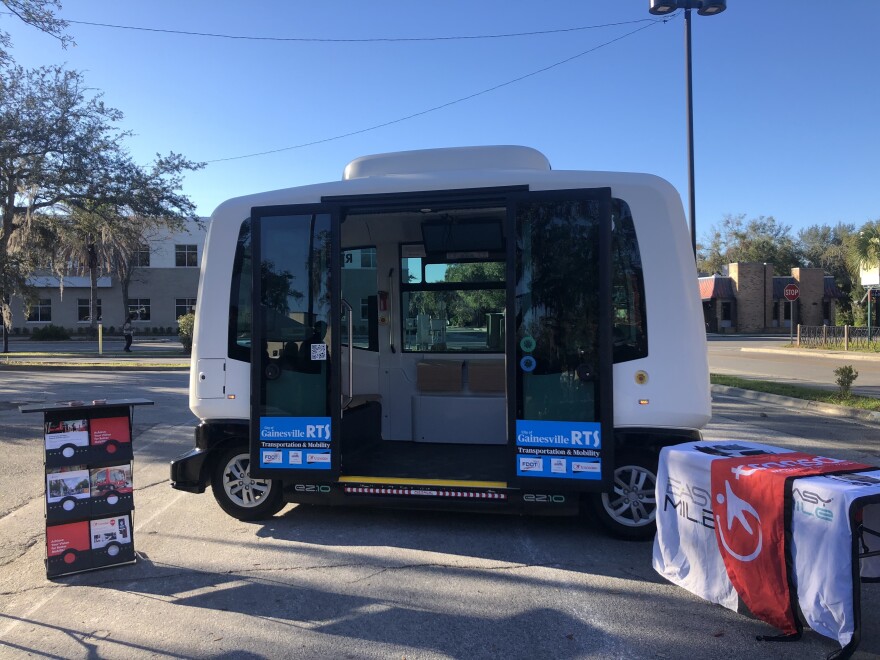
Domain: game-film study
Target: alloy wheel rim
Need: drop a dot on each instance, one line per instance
(633, 502)
(240, 487)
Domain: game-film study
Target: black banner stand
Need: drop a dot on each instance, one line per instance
(88, 483)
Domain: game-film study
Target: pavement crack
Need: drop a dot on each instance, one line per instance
(151, 485)
(21, 549)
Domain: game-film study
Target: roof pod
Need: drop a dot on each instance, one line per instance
(501, 157)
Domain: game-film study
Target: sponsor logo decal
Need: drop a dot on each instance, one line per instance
(271, 457)
(581, 466)
(531, 464)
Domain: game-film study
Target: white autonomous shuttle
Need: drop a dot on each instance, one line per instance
(449, 328)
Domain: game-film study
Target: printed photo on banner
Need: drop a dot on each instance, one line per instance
(110, 530)
(67, 432)
(109, 479)
(67, 482)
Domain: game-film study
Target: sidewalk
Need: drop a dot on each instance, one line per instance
(148, 353)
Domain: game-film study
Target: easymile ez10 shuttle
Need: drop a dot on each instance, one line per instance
(448, 328)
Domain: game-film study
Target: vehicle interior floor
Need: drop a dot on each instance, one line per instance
(423, 460)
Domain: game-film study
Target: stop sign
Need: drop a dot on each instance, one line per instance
(791, 292)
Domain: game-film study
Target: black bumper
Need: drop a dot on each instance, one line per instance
(188, 473)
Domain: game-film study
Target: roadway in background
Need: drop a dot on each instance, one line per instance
(765, 358)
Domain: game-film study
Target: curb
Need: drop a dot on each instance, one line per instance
(799, 404)
(844, 356)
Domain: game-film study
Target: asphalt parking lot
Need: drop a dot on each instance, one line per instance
(356, 583)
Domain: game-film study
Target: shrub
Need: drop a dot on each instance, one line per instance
(185, 325)
(25, 330)
(846, 375)
(50, 333)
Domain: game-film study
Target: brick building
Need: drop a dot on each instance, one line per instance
(749, 298)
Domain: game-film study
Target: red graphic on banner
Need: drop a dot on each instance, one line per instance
(104, 429)
(62, 538)
(748, 503)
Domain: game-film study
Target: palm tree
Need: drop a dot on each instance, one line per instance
(94, 244)
(865, 250)
(864, 256)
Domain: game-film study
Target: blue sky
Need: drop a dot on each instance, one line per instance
(786, 95)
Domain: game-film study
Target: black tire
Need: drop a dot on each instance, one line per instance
(237, 493)
(630, 509)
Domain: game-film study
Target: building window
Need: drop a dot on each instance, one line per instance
(368, 258)
(141, 257)
(41, 312)
(725, 311)
(183, 306)
(365, 309)
(139, 308)
(82, 310)
(186, 256)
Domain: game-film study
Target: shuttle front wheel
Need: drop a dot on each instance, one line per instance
(239, 494)
(630, 509)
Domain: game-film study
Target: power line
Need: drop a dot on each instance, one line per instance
(215, 35)
(443, 105)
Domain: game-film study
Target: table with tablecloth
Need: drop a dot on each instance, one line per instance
(827, 543)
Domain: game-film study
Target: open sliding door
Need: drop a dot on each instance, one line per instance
(559, 339)
(295, 402)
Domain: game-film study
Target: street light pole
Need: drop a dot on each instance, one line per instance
(692, 195)
(704, 8)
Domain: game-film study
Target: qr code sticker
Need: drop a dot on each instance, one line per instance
(319, 351)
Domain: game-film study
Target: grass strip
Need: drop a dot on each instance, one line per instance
(798, 392)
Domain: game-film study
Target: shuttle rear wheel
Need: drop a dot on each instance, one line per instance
(239, 494)
(630, 509)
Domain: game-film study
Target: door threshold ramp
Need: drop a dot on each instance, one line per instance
(419, 481)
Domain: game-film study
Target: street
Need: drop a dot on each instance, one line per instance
(361, 583)
(763, 358)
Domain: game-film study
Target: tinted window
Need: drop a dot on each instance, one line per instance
(240, 309)
(630, 327)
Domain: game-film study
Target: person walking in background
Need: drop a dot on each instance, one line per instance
(127, 330)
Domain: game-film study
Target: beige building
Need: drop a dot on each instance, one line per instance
(163, 287)
(750, 298)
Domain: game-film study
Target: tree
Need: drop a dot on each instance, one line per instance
(39, 14)
(829, 248)
(469, 307)
(92, 244)
(863, 253)
(865, 249)
(63, 154)
(760, 239)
